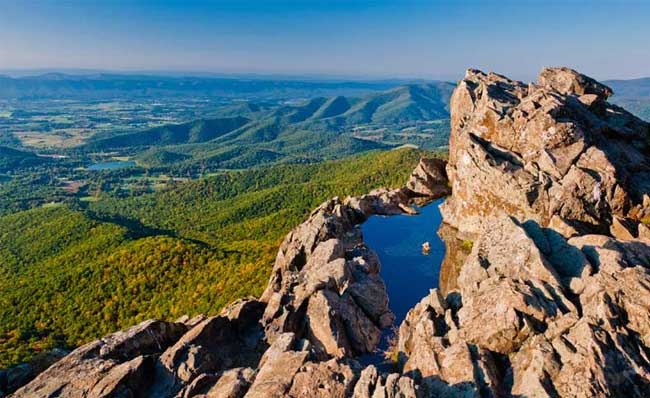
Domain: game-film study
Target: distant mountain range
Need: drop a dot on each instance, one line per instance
(111, 86)
(318, 128)
(272, 123)
(97, 85)
(631, 88)
(633, 95)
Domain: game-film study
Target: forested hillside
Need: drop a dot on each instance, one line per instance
(190, 249)
(11, 159)
(194, 132)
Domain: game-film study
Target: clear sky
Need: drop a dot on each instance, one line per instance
(429, 39)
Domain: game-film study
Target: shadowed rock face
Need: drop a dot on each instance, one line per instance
(13, 378)
(551, 298)
(555, 152)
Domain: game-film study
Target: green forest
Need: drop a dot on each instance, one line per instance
(70, 274)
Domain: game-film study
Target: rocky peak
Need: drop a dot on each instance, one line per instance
(555, 150)
(551, 184)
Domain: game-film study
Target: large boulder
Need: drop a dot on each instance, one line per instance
(274, 379)
(233, 339)
(119, 365)
(232, 383)
(330, 379)
(429, 179)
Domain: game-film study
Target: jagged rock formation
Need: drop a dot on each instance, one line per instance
(518, 327)
(426, 180)
(555, 152)
(551, 298)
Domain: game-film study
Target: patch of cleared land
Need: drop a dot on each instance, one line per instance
(64, 138)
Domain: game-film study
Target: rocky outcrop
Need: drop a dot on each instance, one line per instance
(555, 152)
(233, 339)
(119, 365)
(323, 277)
(325, 304)
(15, 377)
(429, 179)
(536, 315)
(550, 182)
(372, 384)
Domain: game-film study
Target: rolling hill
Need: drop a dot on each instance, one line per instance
(12, 159)
(407, 103)
(193, 132)
(402, 104)
(311, 130)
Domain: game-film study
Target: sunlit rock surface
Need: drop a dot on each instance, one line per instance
(554, 148)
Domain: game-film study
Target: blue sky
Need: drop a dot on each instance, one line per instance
(428, 39)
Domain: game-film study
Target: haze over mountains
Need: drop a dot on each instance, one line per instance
(275, 121)
(110, 86)
(633, 95)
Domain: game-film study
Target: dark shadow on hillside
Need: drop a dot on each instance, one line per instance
(137, 230)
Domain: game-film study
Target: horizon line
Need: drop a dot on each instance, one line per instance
(16, 72)
(357, 77)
